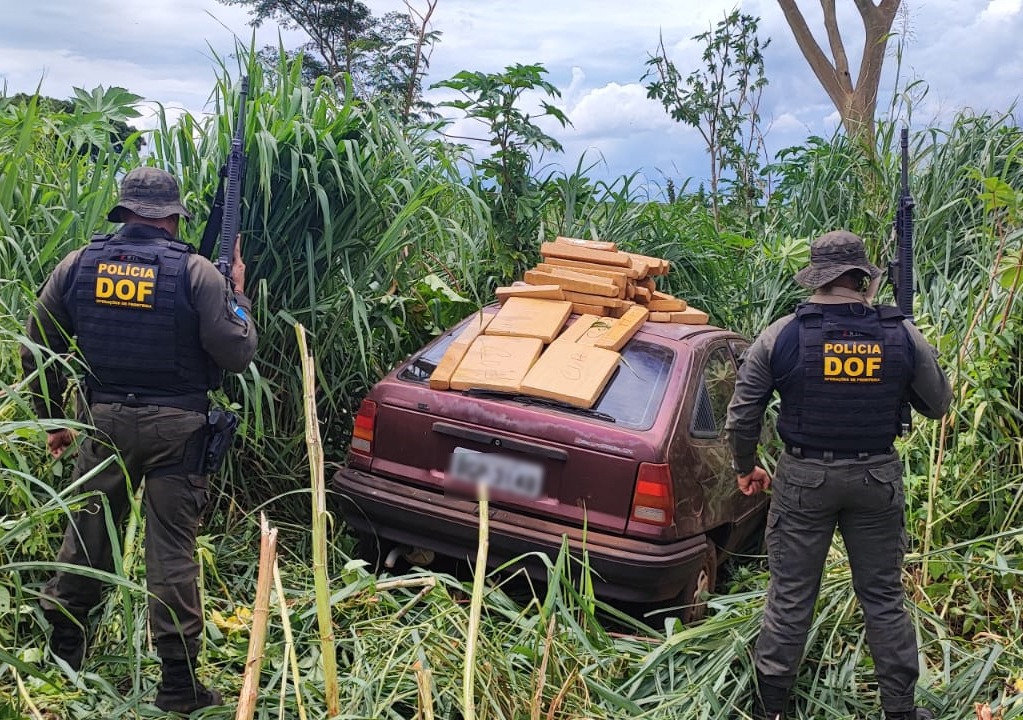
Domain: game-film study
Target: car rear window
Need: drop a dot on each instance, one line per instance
(632, 396)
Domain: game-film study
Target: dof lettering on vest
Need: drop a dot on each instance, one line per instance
(851, 361)
(122, 284)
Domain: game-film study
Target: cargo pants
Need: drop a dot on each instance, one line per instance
(866, 501)
(164, 445)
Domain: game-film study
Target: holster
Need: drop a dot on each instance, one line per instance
(220, 429)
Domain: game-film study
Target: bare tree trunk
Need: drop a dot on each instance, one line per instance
(856, 104)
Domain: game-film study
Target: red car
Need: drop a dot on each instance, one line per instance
(642, 480)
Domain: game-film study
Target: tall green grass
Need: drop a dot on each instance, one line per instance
(367, 233)
(355, 226)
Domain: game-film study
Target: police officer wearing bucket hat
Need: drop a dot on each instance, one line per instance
(156, 325)
(844, 369)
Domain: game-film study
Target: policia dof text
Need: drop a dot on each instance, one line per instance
(844, 368)
(156, 325)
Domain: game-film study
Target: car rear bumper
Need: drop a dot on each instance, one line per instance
(623, 569)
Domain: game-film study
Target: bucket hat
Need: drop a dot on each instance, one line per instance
(149, 192)
(833, 254)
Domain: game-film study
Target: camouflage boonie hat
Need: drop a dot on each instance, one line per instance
(833, 254)
(149, 192)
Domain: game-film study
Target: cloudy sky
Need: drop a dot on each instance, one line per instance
(967, 53)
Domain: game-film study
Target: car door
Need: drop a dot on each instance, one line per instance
(710, 457)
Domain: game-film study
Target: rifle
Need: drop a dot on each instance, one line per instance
(900, 269)
(225, 216)
(225, 213)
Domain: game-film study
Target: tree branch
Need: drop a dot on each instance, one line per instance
(877, 25)
(424, 23)
(837, 47)
(819, 63)
(866, 7)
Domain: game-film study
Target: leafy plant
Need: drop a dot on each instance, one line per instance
(385, 58)
(373, 233)
(516, 197)
(721, 100)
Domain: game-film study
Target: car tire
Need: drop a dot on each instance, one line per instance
(692, 599)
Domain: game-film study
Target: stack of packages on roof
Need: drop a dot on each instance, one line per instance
(526, 348)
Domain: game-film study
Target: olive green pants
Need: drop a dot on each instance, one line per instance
(865, 500)
(162, 445)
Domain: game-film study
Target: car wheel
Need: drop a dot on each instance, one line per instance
(693, 597)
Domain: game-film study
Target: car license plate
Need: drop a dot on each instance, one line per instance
(497, 472)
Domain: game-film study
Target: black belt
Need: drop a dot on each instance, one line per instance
(195, 403)
(829, 455)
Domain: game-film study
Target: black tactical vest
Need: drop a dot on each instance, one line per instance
(854, 369)
(136, 327)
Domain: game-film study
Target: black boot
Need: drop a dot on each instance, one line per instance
(67, 639)
(181, 692)
(771, 700)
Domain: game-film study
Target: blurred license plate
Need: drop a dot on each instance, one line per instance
(497, 472)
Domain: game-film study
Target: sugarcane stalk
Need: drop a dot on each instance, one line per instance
(424, 681)
(289, 640)
(476, 607)
(321, 583)
(260, 615)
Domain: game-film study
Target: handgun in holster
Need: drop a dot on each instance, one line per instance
(220, 428)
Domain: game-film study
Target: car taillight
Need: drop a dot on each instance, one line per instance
(362, 433)
(653, 502)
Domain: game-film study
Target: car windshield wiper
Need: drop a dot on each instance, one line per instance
(539, 401)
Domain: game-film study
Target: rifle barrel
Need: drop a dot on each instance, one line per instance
(904, 227)
(231, 221)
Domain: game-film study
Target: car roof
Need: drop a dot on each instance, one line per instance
(678, 332)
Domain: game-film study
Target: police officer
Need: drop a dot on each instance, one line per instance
(156, 324)
(844, 370)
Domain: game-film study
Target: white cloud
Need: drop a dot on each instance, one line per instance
(58, 72)
(616, 110)
(595, 51)
(787, 122)
(998, 10)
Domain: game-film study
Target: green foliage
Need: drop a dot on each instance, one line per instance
(92, 120)
(722, 101)
(516, 197)
(348, 216)
(55, 186)
(367, 232)
(385, 57)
